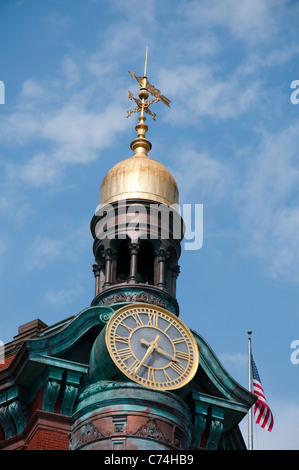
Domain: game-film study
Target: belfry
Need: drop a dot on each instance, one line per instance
(126, 373)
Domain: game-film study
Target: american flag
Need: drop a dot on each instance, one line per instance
(262, 412)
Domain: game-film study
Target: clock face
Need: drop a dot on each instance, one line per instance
(151, 346)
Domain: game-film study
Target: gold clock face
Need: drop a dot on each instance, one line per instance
(152, 347)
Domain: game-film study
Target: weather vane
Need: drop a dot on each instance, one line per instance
(145, 89)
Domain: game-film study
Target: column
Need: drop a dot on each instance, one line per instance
(107, 255)
(175, 271)
(162, 256)
(134, 249)
(98, 274)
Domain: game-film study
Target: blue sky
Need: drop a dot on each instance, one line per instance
(231, 140)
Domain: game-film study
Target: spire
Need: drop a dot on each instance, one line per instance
(139, 177)
(141, 144)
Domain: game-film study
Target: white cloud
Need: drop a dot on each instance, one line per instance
(31, 90)
(75, 133)
(252, 21)
(45, 249)
(260, 185)
(71, 72)
(19, 127)
(71, 120)
(208, 179)
(268, 205)
(42, 251)
(133, 12)
(39, 171)
(63, 297)
(6, 247)
(14, 205)
(79, 135)
(236, 359)
(236, 364)
(200, 91)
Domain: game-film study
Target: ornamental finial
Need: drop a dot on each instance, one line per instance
(143, 107)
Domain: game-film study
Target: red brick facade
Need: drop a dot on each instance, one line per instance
(45, 431)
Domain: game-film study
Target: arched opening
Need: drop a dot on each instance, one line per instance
(123, 262)
(145, 266)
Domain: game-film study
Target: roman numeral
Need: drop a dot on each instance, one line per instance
(122, 339)
(137, 319)
(178, 340)
(153, 320)
(178, 368)
(167, 377)
(181, 355)
(167, 328)
(124, 353)
(134, 366)
(126, 326)
(151, 374)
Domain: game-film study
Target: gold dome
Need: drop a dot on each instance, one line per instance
(139, 177)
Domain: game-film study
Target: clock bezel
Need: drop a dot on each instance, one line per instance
(166, 315)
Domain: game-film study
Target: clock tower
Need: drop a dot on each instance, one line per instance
(148, 371)
(126, 373)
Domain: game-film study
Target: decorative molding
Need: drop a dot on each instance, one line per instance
(96, 270)
(90, 433)
(106, 385)
(150, 430)
(200, 422)
(128, 293)
(209, 418)
(108, 254)
(216, 429)
(162, 254)
(134, 248)
(104, 317)
(120, 423)
(6, 422)
(51, 392)
(175, 269)
(19, 412)
(69, 398)
(14, 409)
(130, 297)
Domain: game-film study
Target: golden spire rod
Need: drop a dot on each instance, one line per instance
(145, 65)
(141, 144)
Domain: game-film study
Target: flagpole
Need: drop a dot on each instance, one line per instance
(250, 435)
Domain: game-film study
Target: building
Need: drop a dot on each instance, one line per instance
(126, 372)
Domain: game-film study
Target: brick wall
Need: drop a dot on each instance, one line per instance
(48, 440)
(37, 403)
(44, 431)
